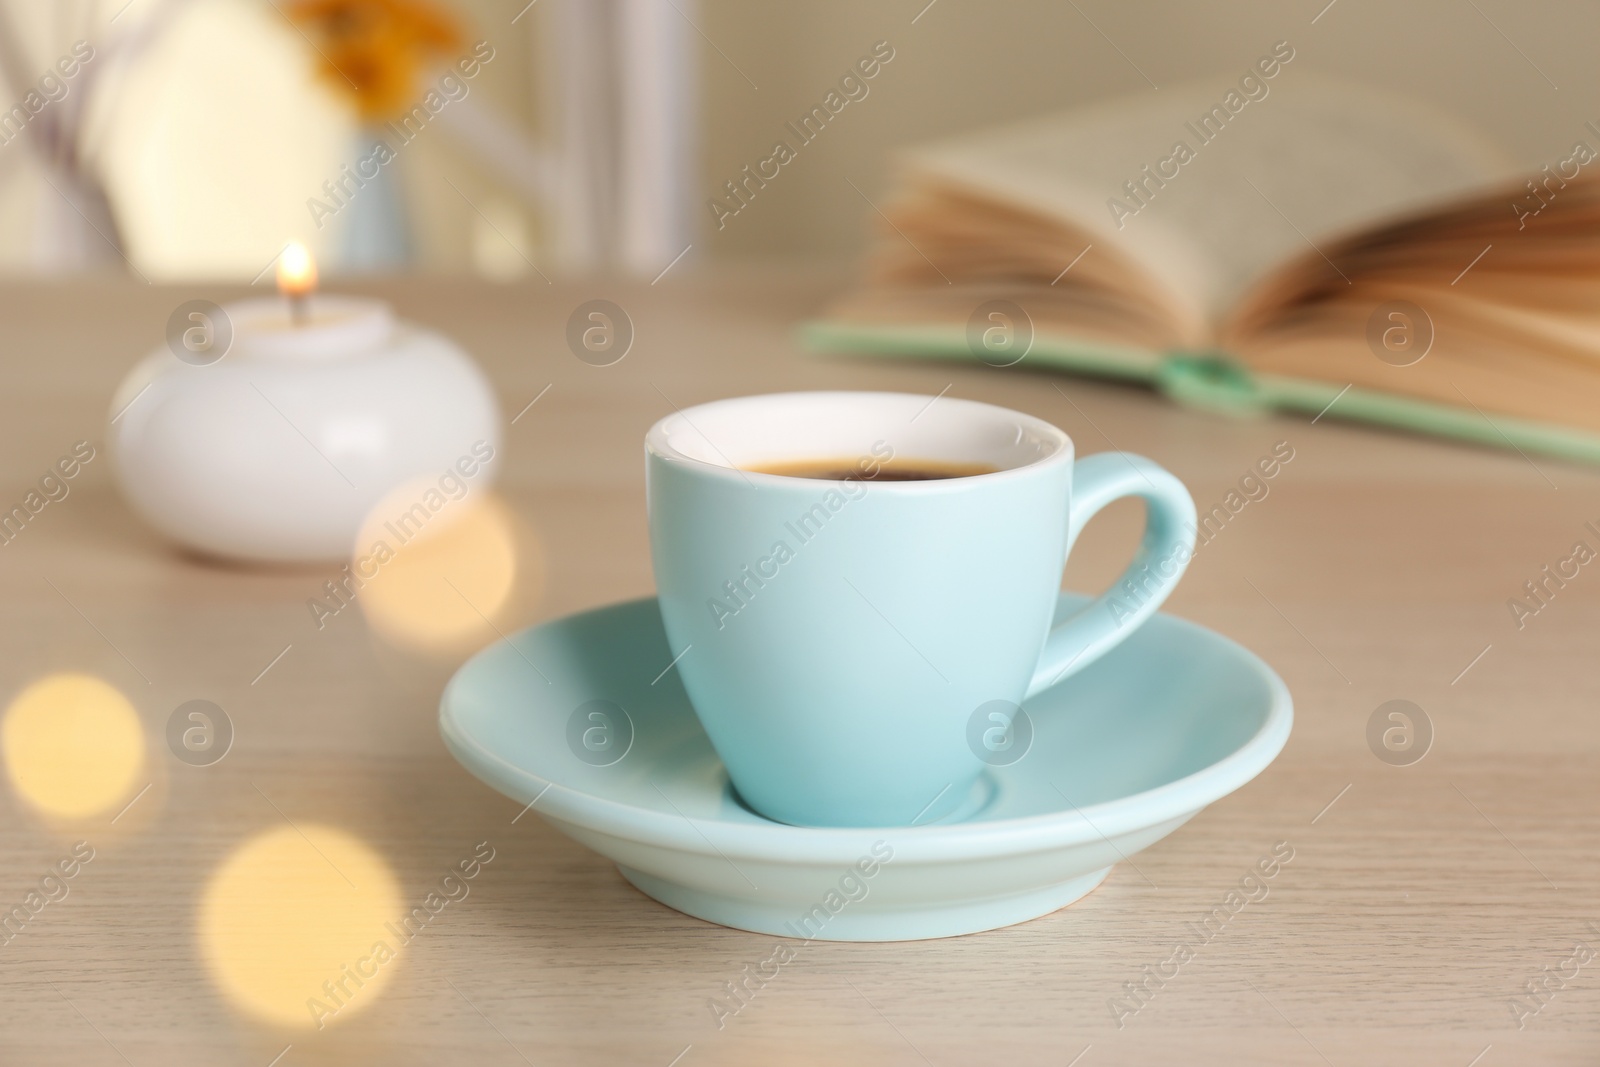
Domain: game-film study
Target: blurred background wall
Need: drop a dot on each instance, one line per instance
(218, 121)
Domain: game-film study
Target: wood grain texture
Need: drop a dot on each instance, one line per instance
(1415, 907)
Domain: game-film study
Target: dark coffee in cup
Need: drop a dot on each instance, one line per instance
(896, 470)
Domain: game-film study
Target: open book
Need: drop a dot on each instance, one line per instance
(1265, 242)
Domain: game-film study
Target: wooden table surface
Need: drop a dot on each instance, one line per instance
(1420, 901)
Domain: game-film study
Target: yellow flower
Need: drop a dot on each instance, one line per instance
(375, 49)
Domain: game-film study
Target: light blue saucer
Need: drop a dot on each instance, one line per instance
(1123, 753)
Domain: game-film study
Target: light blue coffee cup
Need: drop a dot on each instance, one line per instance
(840, 639)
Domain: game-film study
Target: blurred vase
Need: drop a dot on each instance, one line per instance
(376, 234)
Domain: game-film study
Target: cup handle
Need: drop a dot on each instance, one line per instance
(1163, 555)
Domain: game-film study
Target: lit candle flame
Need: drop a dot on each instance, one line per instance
(297, 271)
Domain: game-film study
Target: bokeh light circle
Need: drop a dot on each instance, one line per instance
(437, 581)
(74, 745)
(290, 922)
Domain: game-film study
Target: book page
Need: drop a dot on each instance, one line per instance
(1209, 185)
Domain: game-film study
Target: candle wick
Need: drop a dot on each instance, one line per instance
(298, 309)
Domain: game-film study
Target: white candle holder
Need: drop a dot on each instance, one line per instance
(256, 435)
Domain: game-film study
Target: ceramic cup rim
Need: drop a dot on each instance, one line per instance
(658, 440)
